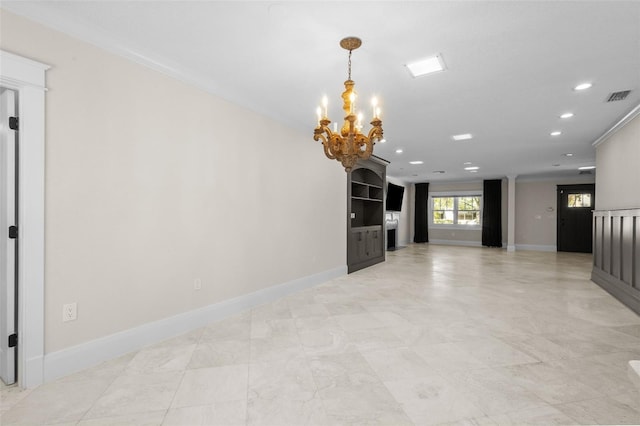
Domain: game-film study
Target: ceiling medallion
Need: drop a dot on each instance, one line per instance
(349, 144)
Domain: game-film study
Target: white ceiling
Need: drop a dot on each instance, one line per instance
(511, 69)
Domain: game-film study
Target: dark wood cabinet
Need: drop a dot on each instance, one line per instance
(365, 208)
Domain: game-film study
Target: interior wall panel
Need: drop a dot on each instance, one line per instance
(627, 249)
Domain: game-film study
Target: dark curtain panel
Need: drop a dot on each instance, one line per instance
(421, 220)
(492, 213)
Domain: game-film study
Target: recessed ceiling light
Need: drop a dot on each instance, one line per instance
(567, 115)
(416, 162)
(556, 133)
(587, 168)
(472, 168)
(568, 154)
(426, 66)
(398, 151)
(462, 137)
(583, 86)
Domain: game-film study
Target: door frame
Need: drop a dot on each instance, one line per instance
(27, 77)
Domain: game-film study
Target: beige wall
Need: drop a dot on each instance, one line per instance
(536, 213)
(535, 224)
(536, 210)
(152, 183)
(618, 166)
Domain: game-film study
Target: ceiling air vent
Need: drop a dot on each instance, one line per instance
(618, 96)
(585, 172)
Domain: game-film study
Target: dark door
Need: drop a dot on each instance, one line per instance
(575, 206)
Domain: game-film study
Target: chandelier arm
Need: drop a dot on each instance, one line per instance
(375, 132)
(362, 140)
(324, 135)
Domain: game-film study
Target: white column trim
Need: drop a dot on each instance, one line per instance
(27, 77)
(511, 214)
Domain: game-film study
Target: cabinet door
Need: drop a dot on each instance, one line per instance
(369, 247)
(361, 245)
(376, 248)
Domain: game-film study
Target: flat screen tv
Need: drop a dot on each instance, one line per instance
(394, 197)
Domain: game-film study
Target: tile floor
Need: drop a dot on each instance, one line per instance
(435, 335)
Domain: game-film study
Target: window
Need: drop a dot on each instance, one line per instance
(579, 200)
(456, 210)
(443, 211)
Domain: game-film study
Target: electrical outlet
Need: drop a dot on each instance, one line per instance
(197, 284)
(70, 312)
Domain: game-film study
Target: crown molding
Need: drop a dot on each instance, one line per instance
(619, 125)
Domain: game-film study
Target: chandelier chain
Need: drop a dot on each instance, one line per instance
(350, 64)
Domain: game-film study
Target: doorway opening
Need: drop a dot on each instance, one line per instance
(9, 253)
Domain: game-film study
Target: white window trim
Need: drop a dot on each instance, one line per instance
(432, 225)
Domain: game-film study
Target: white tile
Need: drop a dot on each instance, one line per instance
(342, 370)
(397, 363)
(307, 410)
(361, 321)
(130, 394)
(550, 384)
(227, 413)
(326, 341)
(493, 393)
(275, 348)
(370, 404)
(11, 395)
(153, 418)
(433, 400)
(206, 386)
(547, 415)
(160, 359)
(289, 379)
(264, 329)
(220, 352)
(600, 411)
(56, 402)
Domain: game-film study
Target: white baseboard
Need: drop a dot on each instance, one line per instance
(534, 247)
(457, 243)
(77, 358)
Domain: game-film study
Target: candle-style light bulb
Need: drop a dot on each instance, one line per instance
(319, 112)
(378, 112)
(325, 103)
(335, 127)
(359, 125)
(374, 104)
(352, 99)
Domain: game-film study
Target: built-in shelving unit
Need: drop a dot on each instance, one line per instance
(366, 190)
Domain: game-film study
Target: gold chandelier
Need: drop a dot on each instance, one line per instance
(350, 144)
